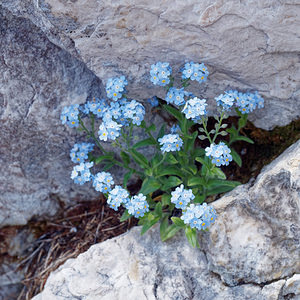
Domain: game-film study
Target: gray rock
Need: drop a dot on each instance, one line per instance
(246, 45)
(38, 79)
(252, 251)
(256, 237)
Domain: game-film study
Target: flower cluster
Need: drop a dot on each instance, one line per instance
(175, 96)
(220, 154)
(160, 73)
(248, 102)
(195, 71)
(96, 106)
(102, 182)
(194, 108)
(115, 87)
(245, 102)
(170, 142)
(137, 205)
(134, 111)
(81, 173)
(79, 152)
(225, 100)
(182, 197)
(199, 216)
(109, 130)
(117, 196)
(69, 115)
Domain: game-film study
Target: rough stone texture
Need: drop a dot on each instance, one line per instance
(246, 44)
(252, 252)
(257, 236)
(37, 80)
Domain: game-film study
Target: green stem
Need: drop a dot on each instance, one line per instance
(205, 130)
(92, 135)
(218, 126)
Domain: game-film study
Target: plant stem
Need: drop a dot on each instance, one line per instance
(205, 130)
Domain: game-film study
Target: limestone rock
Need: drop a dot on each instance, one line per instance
(252, 251)
(37, 80)
(257, 235)
(246, 45)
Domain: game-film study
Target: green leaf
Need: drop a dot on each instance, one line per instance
(198, 152)
(191, 234)
(152, 127)
(139, 158)
(189, 144)
(196, 181)
(127, 177)
(99, 159)
(174, 112)
(217, 173)
(108, 166)
(148, 224)
(126, 215)
(171, 181)
(199, 198)
(156, 159)
(161, 132)
(217, 186)
(158, 209)
(166, 200)
(125, 157)
(143, 143)
(150, 185)
(242, 138)
(236, 157)
(192, 168)
(178, 222)
(170, 170)
(242, 121)
(232, 130)
(202, 160)
(163, 226)
(170, 158)
(169, 232)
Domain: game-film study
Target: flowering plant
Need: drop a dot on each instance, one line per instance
(180, 175)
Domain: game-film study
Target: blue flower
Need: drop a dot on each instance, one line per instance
(109, 130)
(170, 142)
(96, 106)
(181, 197)
(137, 205)
(194, 108)
(81, 173)
(102, 182)
(175, 96)
(175, 129)
(220, 154)
(117, 196)
(226, 101)
(160, 73)
(195, 71)
(79, 152)
(69, 115)
(115, 87)
(246, 102)
(134, 111)
(153, 101)
(199, 216)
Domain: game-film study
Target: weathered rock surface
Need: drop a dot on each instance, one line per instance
(247, 45)
(37, 80)
(252, 251)
(257, 236)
